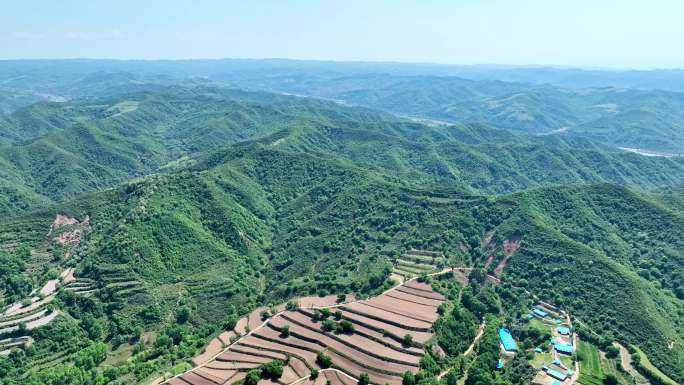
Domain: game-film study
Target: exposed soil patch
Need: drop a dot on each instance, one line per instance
(461, 277)
(489, 279)
(489, 261)
(49, 287)
(68, 232)
(61, 220)
(511, 245)
(68, 275)
(500, 267)
(373, 346)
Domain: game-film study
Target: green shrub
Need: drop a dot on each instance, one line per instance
(253, 377)
(345, 326)
(408, 378)
(272, 370)
(407, 341)
(329, 325)
(323, 360)
(364, 379)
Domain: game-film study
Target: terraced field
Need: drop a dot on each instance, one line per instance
(365, 336)
(119, 279)
(7, 344)
(81, 286)
(414, 263)
(36, 313)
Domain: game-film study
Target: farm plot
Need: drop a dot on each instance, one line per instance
(81, 286)
(7, 344)
(417, 262)
(596, 366)
(35, 312)
(118, 279)
(357, 337)
(592, 367)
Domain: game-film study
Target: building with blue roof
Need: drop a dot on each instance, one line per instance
(507, 340)
(556, 383)
(555, 373)
(563, 330)
(500, 364)
(539, 312)
(563, 348)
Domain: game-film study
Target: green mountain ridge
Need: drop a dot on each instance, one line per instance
(205, 203)
(263, 224)
(87, 146)
(620, 109)
(597, 113)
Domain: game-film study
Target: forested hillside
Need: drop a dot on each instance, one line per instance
(616, 117)
(147, 219)
(55, 151)
(633, 109)
(262, 225)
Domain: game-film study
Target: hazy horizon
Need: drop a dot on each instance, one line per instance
(483, 65)
(580, 34)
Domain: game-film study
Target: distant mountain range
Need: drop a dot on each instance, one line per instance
(615, 108)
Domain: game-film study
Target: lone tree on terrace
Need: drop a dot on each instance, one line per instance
(364, 379)
(323, 360)
(407, 342)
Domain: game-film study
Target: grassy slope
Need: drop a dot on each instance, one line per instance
(86, 146)
(615, 116)
(480, 158)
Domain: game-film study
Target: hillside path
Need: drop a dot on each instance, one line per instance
(470, 348)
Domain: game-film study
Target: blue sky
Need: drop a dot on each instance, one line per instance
(602, 33)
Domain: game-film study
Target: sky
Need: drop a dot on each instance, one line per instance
(641, 34)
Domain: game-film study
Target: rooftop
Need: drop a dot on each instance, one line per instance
(555, 374)
(563, 348)
(507, 340)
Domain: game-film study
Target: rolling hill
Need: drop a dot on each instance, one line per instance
(256, 224)
(616, 117)
(633, 109)
(183, 206)
(56, 151)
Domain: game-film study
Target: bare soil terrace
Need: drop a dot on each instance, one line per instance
(373, 347)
